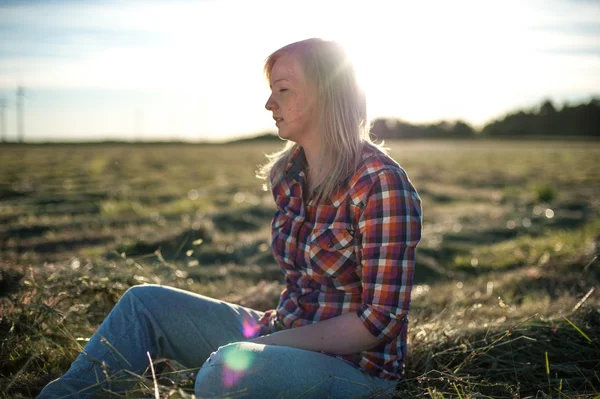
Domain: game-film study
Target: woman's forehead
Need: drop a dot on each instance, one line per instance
(287, 67)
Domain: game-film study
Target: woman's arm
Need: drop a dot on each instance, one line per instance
(342, 335)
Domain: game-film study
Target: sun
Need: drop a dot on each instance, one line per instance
(371, 44)
(374, 77)
(357, 53)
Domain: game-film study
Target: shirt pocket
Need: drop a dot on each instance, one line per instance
(331, 254)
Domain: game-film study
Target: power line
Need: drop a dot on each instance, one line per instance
(3, 119)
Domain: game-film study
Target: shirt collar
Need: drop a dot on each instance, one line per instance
(295, 166)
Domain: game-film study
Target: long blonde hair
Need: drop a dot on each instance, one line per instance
(342, 112)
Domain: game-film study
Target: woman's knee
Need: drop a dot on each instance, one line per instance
(226, 367)
(142, 291)
(237, 356)
(154, 294)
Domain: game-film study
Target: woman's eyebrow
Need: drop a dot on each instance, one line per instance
(278, 80)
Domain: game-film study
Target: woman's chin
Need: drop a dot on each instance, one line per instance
(286, 134)
(282, 134)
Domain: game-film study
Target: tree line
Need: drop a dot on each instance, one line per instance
(544, 120)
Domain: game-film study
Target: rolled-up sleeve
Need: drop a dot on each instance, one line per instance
(390, 229)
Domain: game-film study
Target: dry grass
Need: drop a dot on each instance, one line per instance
(505, 303)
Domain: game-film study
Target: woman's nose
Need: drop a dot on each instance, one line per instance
(270, 105)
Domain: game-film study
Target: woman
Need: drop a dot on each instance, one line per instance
(347, 224)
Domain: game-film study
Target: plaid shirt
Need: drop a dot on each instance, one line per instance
(352, 253)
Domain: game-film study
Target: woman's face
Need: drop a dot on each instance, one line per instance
(292, 101)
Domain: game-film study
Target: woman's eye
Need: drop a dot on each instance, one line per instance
(283, 90)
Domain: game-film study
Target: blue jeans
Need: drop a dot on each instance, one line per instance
(201, 332)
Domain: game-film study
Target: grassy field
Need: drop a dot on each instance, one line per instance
(506, 301)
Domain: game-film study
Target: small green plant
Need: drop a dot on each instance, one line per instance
(545, 192)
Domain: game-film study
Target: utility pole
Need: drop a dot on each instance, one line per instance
(2, 119)
(20, 117)
(139, 124)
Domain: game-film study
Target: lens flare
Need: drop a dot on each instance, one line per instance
(238, 360)
(237, 363)
(231, 377)
(250, 328)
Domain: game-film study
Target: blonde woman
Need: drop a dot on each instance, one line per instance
(345, 232)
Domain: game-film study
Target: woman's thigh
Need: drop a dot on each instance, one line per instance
(190, 326)
(266, 371)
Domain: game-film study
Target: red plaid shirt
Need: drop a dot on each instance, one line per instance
(352, 253)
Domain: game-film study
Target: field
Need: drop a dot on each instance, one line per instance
(506, 302)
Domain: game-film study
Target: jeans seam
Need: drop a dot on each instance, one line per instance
(161, 330)
(124, 333)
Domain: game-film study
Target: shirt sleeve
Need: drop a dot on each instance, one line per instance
(390, 229)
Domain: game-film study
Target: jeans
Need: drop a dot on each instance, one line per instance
(201, 332)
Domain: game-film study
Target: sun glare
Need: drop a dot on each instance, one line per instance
(413, 61)
(358, 55)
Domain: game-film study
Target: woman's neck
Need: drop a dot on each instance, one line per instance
(312, 157)
(315, 168)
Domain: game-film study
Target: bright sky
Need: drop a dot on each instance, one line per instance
(192, 70)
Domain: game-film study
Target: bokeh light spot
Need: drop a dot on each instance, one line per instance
(193, 194)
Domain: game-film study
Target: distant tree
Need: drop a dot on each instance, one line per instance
(461, 129)
(545, 120)
(547, 109)
(548, 123)
(579, 120)
(396, 129)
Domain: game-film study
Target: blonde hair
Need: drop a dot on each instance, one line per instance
(341, 108)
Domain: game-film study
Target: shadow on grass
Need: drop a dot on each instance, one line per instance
(201, 241)
(488, 236)
(10, 281)
(56, 246)
(551, 281)
(514, 361)
(198, 242)
(171, 247)
(245, 219)
(24, 232)
(437, 264)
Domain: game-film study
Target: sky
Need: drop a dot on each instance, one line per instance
(192, 70)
